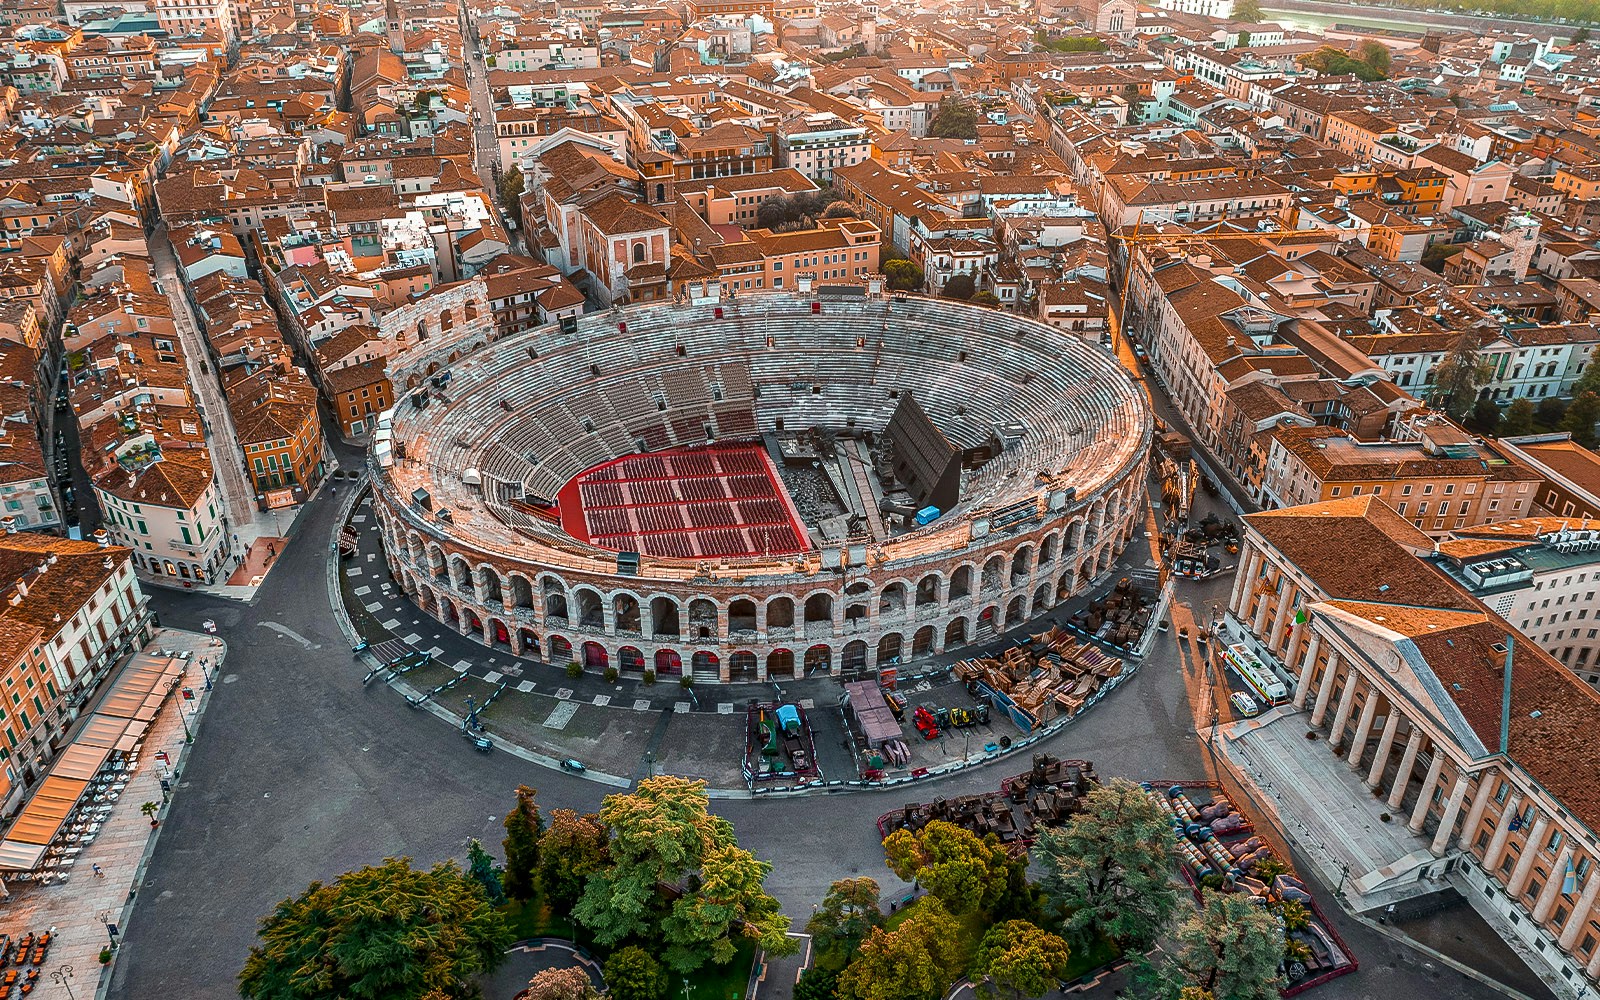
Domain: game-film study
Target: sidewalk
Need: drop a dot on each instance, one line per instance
(80, 908)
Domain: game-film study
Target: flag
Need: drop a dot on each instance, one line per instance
(1515, 824)
(1569, 882)
(1300, 616)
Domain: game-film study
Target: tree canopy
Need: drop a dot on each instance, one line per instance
(848, 912)
(954, 119)
(1459, 376)
(964, 872)
(1581, 418)
(1230, 948)
(523, 826)
(1110, 866)
(632, 973)
(573, 848)
(483, 871)
(916, 961)
(386, 932)
(1021, 959)
(1518, 418)
(560, 984)
(1330, 61)
(1247, 10)
(960, 286)
(903, 275)
(729, 903)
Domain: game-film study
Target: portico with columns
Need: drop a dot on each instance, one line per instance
(1406, 697)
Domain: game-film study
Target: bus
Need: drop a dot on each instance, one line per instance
(1255, 675)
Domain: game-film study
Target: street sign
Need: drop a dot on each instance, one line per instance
(188, 694)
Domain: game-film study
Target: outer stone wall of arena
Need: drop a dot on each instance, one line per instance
(1039, 523)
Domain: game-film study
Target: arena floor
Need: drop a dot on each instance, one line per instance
(685, 503)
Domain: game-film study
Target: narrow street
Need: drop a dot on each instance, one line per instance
(237, 496)
(487, 155)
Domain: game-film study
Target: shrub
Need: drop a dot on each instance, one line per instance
(611, 675)
(649, 676)
(574, 670)
(686, 681)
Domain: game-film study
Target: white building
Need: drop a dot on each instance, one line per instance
(815, 144)
(168, 510)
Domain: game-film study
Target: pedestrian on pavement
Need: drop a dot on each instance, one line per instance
(97, 872)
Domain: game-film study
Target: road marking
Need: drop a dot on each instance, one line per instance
(412, 639)
(681, 707)
(525, 687)
(563, 693)
(391, 624)
(602, 700)
(362, 591)
(561, 715)
(353, 571)
(289, 633)
(493, 677)
(723, 707)
(375, 607)
(641, 705)
(462, 666)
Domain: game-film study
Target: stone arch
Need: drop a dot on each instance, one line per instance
(1041, 598)
(630, 660)
(892, 600)
(780, 663)
(437, 567)
(857, 612)
(560, 650)
(530, 641)
(1021, 565)
(555, 606)
(418, 550)
(742, 666)
(855, 655)
(780, 613)
(961, 582)
(819, 660)
(1049, 548)
(460, 574)
(859, 588)
(447, 612)
(702, 618)
(994, 573)
(819, 607)
(955, 633)
(1016, 612)
(705, 661)
(922, 642)
(426, 600)
(741, 615)
(591, 608)
(664, 617)
(889, 649)
(668, 663)
(489, 584)
(928, 590)
(1074, 536)
(991, 614)
(497, 632)
(521, 591)
(625, 614)
(595, 656)
(1064, 586)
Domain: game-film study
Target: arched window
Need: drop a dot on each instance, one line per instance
(638, 253)
(661, 192)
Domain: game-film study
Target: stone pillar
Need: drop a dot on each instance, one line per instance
(1408, 761)
(1258, 624)
(1239, 598)
(1580, 914)
(1419, 812)
(1592, 970)
(1502, 830)
(1480, 802)
(1330, 677)
(1530, 850)
(1308, 666)
(1280, 622)
(1552, 886)
(1341, 718)
(1369, 712)
(1380, 760)
(1447, 822)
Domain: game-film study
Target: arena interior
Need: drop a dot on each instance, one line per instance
(777, 485)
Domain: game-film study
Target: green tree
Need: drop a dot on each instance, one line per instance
(1374, 54)
(632, 973)
(817, 984)
(510, 192)
(1229, 949)
(572, 849)
(916, 961)
(560, 984)
(1580, 36)
(960, 286)
(1457, 378)
(839, 210)
(1550, 414)
(1248, 10)
(523, 826)
(729, 903)
(1485, 416)
(903, 275)
(985, 298)
(1582, 415)
(962, 871)
(389, 932)
(1109, 867)
(1244, 40)
(483, 871)
(848, 912)
(1589, 381)
(1518, 418)
(660, 833)
(954, 119)
(1438, 255)
(1021, 959)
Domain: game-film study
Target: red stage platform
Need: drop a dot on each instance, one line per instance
(685, 503)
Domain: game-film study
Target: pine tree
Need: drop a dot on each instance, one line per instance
(482, 868)
(523, 827)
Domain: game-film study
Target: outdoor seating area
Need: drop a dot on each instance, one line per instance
(20, 959)
(81, 824)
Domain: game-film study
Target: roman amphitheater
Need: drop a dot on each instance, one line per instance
(778, 485)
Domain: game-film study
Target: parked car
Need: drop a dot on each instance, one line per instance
(1244, 704)
(574, 766)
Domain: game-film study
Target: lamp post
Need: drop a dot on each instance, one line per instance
(1344, 873)
(63, 977)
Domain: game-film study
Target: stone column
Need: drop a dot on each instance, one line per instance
(1480, 802)
(1552, 886)
(1239, 597)
(1341, 718)
(1580, 914)
(1308, 666)
(1592, 970)
(1258, 624)
(1447, 822)
(1408, 761)
(1380, 760)
(1530, 850)
(1369, 712)
(1280, 622)
(1419, 812)
(1502, 830)
(1325, 690)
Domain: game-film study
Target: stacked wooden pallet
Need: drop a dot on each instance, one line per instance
(1051, 673)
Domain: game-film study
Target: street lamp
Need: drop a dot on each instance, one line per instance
(1344, 873)
(62, 977)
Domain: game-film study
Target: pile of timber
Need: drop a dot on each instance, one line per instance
(1051, 673)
